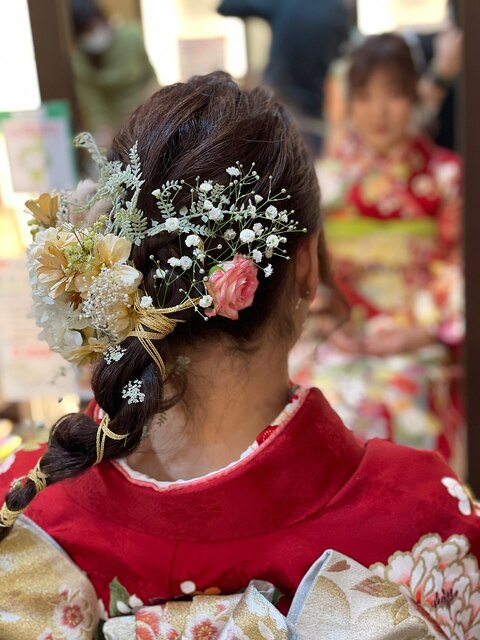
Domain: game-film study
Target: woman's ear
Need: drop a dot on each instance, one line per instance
(306, 267)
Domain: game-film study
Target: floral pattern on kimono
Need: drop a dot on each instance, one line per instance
(392, 227)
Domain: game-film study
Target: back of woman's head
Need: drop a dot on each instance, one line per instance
(185, 131)
(389, 53)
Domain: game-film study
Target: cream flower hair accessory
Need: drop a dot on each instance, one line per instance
(87, 292)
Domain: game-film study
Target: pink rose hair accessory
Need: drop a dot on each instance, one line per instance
(232, 287)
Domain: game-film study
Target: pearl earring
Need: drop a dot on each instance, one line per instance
(302, 297)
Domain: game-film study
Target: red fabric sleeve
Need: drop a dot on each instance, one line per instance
(17, 465)
(409, 484)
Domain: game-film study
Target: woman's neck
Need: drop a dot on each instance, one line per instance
(231, 398)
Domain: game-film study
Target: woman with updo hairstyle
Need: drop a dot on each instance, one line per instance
(203, 494)
(391, 201)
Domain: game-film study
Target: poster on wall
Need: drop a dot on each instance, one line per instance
(391, 15)
(39, 148)
(27, 366)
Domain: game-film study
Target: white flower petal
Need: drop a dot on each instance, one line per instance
(122, 607)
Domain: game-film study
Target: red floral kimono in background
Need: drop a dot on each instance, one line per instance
(306, 486)
(392, 225)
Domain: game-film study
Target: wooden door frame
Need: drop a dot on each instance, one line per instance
(470, 148)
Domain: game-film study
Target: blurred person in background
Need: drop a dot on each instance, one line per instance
(112, 72)
(392, 207)
(306, 38)
(438, 59)
(442, 59)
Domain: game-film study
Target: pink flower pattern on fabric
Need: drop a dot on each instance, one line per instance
(232, 287)
(443, 577)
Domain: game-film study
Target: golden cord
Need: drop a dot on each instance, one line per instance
(158, 326)
(102, 433)
(39, 478)
(8, 517)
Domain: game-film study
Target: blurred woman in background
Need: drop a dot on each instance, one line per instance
(392, 205)
(112, 72)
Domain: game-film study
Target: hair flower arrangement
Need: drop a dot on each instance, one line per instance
(87, 293)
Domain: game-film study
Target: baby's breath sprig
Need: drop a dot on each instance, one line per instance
(222, 221)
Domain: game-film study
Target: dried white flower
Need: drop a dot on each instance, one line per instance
(131, 391)
(193, 240)
(233, 171)
(160, 274)
(247, 235)
(114, 354)
(109, 298)
(206, 186)
(258, 228)
(257, 255)
(216, 215)
(206, 301)
(172, 225)
(258, 198)
(268, 270)
(173, 262)
(272, 241)
(185, 262)
(199, 254)
(271, 212)
(146, 302)
(230, 234)
(207, 205)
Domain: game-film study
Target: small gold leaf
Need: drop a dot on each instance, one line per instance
(400, 611)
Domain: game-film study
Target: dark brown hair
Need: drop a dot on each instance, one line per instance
(186, 130)
(386, 52)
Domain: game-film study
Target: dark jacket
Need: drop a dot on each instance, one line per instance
(306, 36)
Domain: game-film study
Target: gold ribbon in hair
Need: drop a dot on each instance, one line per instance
(8, 516)
(158, 326)
(103, 432)
(37, 476)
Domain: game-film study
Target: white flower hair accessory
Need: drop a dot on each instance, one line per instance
(87, 292)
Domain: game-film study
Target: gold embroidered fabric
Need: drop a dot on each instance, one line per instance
(249, 616)
(337, 600)
(43, 594)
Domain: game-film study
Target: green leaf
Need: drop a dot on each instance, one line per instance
(99, 631)
(118, 593)
(217, 267)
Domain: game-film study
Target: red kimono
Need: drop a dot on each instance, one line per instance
(307, 488)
